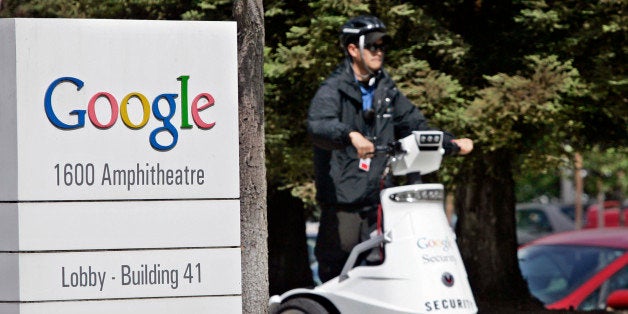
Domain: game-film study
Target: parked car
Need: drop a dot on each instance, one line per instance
(583, 270)
(535, 220)
(612, 210)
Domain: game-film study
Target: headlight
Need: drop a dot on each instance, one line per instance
(417, 196)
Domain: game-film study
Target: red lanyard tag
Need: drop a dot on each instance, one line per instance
(365, 164)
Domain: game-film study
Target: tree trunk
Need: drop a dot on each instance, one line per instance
(289, 266)
(250, 18)
(485, 200)
(600, 203)
(579, 190)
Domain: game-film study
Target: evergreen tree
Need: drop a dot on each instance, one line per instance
(531, 81)
(521, 77)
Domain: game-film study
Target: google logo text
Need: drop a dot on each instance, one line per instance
(201, 102)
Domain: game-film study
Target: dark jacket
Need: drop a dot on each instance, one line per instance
(335, 111)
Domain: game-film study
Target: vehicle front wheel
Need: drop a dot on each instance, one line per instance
(301, 306)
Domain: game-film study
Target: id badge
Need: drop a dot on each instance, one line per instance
(365, 164)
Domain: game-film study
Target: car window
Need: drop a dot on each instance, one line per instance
(597, 299)
(569, 211)
(533, 220)
(591, 302)
(552, 272)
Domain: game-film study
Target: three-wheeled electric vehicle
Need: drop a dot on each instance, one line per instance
(422, 270)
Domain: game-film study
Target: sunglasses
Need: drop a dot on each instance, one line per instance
(375, 47)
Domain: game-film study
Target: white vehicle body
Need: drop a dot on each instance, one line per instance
(422, 271)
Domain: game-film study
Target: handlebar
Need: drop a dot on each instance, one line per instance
(392, 149)
(420, 152)
(455, 149)
(395, 148)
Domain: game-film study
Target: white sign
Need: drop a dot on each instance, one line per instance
(119, 167)
(191, 305)
(119, 225)
(125, 274)
(103, 109)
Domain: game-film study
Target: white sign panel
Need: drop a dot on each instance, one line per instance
(119, 225)
(127, 274)
(127, 109)
(192, 305)
(119, 167)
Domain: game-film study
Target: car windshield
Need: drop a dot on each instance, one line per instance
(554, 271)
(534, 220)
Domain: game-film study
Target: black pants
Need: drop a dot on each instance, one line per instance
(339, 231)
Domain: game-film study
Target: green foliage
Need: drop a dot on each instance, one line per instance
(298, 60)
(593, 35)
(538, 78)
(504, 114)
(119, 9)
(208, 10)
(544, 79)
(610, 166)
(531, 186)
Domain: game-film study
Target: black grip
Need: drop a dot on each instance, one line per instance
(451, 148)
(393, 148)
(455, 149)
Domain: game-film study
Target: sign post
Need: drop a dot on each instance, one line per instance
(119, 184)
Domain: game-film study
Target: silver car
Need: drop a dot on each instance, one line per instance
(535, 220)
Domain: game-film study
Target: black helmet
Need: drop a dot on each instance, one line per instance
(361, 25)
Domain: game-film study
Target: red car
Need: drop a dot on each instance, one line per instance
(612, 211)
(581, 270)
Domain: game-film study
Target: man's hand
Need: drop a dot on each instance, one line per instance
(465, 144)
(364, 147)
